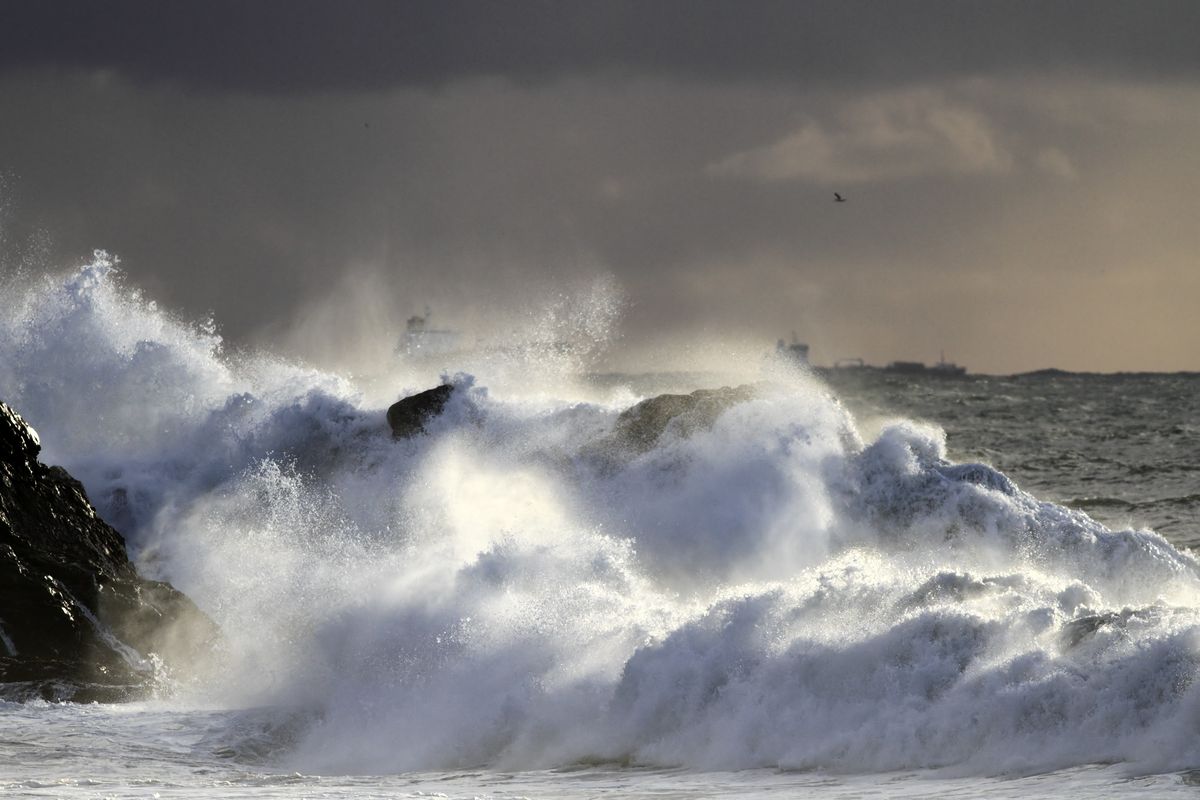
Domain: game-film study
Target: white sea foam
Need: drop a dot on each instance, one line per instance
(775, 591)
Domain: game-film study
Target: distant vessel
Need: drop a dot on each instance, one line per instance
(907, 367)
(421, 339)
(795, 353)
(943, 367)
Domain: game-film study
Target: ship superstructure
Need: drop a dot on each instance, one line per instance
(421, 338)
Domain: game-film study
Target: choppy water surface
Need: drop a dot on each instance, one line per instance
(1123, 448)
(865, 586)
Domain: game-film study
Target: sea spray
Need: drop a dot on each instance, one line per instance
(776, 589)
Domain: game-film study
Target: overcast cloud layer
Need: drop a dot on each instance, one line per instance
(1022, 176)
(318, 45)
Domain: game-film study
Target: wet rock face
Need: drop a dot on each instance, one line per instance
(639, 428)
(407, 417)
(18, 441)
(76, 620)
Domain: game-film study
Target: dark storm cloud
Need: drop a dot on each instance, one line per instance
(1017, 171)
(303, 45)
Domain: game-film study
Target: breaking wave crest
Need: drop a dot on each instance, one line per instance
(517, 589)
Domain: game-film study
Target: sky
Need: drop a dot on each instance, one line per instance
(1021, 177)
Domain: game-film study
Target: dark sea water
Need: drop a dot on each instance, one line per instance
(851, 584)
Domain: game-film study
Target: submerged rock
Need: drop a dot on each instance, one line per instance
(638, 428)
(76, 620)
(407, 417)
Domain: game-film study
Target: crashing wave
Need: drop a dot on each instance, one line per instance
(764, 589)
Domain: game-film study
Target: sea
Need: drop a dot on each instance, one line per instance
(854, 584)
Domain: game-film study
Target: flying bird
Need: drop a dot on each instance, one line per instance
(837, 198)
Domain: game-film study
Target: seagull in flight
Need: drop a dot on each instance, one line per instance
(837, 198)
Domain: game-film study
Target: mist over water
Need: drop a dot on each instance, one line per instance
(790, 588)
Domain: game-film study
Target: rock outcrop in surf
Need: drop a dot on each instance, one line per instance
(640, 426)
(76, 620)
(407, 417)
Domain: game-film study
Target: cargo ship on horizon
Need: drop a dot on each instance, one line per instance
(942, 367)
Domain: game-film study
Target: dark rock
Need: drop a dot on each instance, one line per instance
(18, 441)
(76, 620)
(407, 417)
(638, 428)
